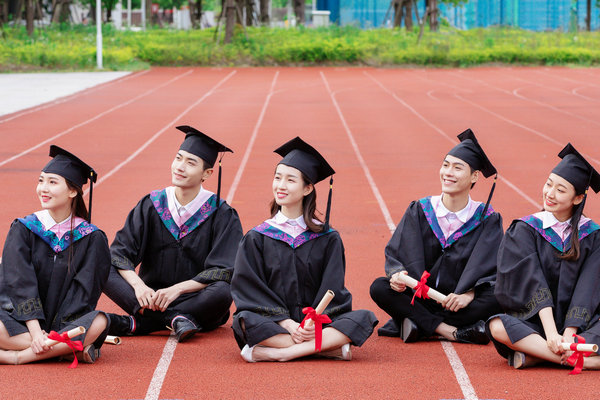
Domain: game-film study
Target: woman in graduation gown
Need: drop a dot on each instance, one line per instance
(52, 273)
(288, 263)
(549, 272)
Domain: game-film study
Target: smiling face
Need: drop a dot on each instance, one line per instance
(456, 176)
(53, 192)
(559, 197)
(187, 170)
(289, 188)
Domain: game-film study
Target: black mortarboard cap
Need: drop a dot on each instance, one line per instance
(471, 152)
(72, 169)
(576, 170)
(298, 154)
(201, 145)
(302, 156)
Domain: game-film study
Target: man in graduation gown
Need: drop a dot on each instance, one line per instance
(185, 238)
(456, 240)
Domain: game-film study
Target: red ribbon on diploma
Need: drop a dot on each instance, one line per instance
(319, 320)
(421, 289)
(75, 345)
(576, 359)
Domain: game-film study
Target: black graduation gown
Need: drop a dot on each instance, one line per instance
(202, 250)
(463, 262)
(276, 276)
(532, 277)
(38, 283)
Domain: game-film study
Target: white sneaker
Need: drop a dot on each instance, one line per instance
(246, 353)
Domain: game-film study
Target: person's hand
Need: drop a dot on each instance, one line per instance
(38, 343)
(304, 334)
(455, 302)
(163, 297)
(144, 295)
(553, 341)
(396, 283)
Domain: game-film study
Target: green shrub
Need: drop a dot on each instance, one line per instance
(73, 47)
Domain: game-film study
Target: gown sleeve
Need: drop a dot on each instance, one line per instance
(482, 263)
(18, 274)
(333, 278)
(521, 288)
(88, 279)
(586, 296)
(226, 236)
(250, 283)
(128, 247)
(404, 251)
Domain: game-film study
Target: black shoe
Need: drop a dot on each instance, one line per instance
(389, 329)
(474, 334)
(410, 331)
(184, 327)
(120, 325)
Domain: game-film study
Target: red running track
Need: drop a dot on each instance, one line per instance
(384, 131)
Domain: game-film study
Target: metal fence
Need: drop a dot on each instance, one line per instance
(537, 15)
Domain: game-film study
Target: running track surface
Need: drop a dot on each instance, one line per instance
(384, 131)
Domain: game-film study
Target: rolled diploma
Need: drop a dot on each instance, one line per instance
(412, 283)
(71, 334)
(112, 339)
(581, 347)
(321, 306)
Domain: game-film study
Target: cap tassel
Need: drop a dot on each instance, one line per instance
(219, 184)
(328, 211)
(487, 204)
(92, 179)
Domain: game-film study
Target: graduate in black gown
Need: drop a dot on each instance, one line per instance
(288, 263)
(549, 272)
(456, 240)
(54, 265)
(184, 238)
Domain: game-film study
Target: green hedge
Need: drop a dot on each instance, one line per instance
(73, 48)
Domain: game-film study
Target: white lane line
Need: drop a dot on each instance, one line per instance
(447, 137)
(161, 369)
(524, 127)
(576, 93)
(516, 93)
(240, 171)
(457, 366)
(102, 114)
(363, 164)
(164, 128)
(459, 370)
(73, 96)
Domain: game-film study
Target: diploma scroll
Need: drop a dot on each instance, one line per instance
(71, 334)
(583, 347)
(321, 306)
(112, 339)
(412, 283)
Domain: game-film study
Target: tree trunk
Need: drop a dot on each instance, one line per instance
(230, 8)
(588, 17)
(264, 12)
(193, 16)
(3, 12)
(19, 11)
(29, 11)
(249, 12)
(299, 11)
(56, 11)
(433, 15)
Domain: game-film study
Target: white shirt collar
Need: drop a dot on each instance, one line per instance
(282, 219)
(548, 219)
(193, 206)
(46, 219)
(441, 210)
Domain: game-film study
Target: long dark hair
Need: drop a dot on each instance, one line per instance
(78, 209)
(309, 208)
(574, 251)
